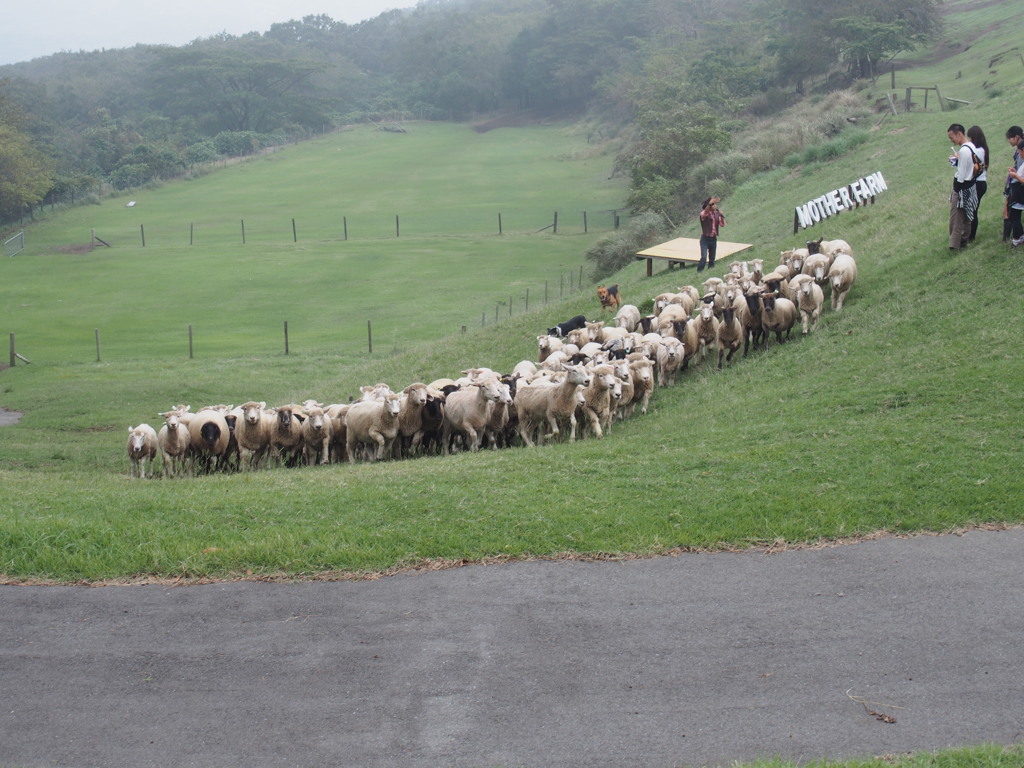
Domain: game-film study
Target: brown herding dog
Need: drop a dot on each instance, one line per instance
(609, 297)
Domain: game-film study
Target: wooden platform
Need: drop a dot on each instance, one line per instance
(686, 250)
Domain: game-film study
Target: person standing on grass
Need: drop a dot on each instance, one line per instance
(711, 221)
(1014, 192)
(963, 200)
(977, 138)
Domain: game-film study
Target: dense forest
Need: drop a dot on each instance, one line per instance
(675, 77)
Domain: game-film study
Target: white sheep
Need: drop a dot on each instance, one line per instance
(501, 414)
(809, 300)
(597, 399)
(641, 371)
(173, 440)
(317, 432)
(627, 317)
(794, 259)
(254, 429)
(624, 404)
(817, 265)
(706, 327)
(550, 403)
(372, 424)
(467, 412)
(841, 277)
(546, 345)
(142, 448)
(670, 357)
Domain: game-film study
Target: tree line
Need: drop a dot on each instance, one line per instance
(673, 75)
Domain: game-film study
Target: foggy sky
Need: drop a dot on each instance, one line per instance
(40, 29)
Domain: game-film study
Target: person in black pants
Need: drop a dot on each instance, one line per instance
(977, 137)
(711, 220)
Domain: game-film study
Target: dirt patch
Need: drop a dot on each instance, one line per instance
(77, 249)
(9, 417)
(521, 118)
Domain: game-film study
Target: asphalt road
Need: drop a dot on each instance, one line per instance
(694, 660)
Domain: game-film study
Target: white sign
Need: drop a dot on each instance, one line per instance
(851, 196)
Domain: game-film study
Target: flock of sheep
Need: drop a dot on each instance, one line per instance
(587, 376)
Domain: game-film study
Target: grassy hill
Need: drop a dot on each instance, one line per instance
(898, 415)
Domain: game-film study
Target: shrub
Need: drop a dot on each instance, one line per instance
(619, 249)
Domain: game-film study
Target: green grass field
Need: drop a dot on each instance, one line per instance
(898, 415)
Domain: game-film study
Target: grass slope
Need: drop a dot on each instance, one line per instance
(896, 416)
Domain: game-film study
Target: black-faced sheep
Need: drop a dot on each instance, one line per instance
(209, 439)
(286, 435)
(778, 316)
(730, 334)
(142, 448)
(750, 319)
(829, 247)
(686, 332)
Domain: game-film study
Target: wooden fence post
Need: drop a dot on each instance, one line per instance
(142, 231)
(527, 300)
(14, 353)
(191, 232)
(190, 341)
(243, 231)
(397, 230)
(97, 345)
(499, 224)
(554, 224)
(369, 335)
(344, 221)
(286, 337)
(584, 222)
(295, 232)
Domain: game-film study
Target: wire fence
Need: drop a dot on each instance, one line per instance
(214, 342)
(14, 245)
(323, 228)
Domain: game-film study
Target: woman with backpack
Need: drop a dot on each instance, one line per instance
(977, 138)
